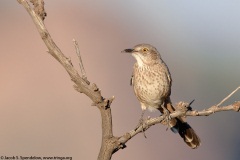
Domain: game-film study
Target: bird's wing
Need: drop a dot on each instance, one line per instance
(167, 72)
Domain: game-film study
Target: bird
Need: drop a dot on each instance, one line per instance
(151, 81)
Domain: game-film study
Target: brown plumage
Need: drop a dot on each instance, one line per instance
(152, 83)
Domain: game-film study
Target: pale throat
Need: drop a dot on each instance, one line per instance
(139, 60)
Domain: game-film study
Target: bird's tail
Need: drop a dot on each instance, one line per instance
(179, 125)
(187, 133)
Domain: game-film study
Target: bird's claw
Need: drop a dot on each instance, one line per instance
(141, 124)
(167, 117)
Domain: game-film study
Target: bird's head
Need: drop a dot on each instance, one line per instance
(145, 54)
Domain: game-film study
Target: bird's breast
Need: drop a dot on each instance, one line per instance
(151, 84)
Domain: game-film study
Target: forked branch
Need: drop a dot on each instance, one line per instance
(110, 143)
(182, 110)
(81, 83)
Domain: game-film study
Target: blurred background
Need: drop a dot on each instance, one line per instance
(42, 115)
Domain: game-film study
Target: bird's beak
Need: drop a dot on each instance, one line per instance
(128, 51)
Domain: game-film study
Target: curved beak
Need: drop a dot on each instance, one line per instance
(128, 50)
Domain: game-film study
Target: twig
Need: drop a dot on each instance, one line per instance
(228, 96)
(84, 75)
(81, 85)
(152, 121)
(110, 143)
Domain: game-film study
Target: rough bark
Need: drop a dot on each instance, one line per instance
(110, 143)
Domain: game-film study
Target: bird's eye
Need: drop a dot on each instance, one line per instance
(145, 50)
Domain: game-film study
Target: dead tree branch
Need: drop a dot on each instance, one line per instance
(81, 85)
(84, 76)
(228, 96)
(39, 8)
(178, 113)
(110, 143)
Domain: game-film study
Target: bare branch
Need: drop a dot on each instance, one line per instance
(84, 76)
(182, 110)
(178, 113)
(39, 8)
(110, 143)
(228, 96)
(81, 85)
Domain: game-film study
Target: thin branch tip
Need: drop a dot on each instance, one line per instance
(226, 98)
(84, 76)
(82, 85)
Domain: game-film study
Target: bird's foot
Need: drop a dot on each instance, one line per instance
(142, 125)
(167, 117)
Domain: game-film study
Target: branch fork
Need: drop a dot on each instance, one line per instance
(110, 143)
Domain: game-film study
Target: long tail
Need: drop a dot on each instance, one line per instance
(187, 133)
(178, 125)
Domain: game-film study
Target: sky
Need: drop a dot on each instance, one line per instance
(42, 115)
